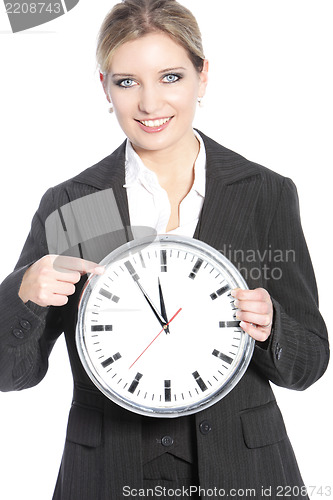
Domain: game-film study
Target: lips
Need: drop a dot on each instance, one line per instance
(156, 125)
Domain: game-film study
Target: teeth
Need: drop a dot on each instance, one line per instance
(154, 123)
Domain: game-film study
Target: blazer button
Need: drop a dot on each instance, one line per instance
(18, 333)
(205, 427)
(25, 324)
(167, 441)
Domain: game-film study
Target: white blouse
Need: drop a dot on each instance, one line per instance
(149, 203)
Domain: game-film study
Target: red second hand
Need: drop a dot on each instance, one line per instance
(173, 317)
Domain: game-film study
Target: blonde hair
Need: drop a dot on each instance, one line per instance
(132, 19)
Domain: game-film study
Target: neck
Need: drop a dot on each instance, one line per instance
(172, 162)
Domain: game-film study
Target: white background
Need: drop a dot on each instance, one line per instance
(269, 98)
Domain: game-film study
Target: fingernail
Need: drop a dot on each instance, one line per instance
(99, 270)
(236, 302)
(234, 292)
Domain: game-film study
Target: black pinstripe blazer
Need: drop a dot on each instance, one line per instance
(252, 215)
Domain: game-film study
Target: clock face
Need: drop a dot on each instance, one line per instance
(157, 332)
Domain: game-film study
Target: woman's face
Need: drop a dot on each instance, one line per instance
(154, 88)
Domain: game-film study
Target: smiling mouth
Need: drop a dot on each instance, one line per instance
(155, 123)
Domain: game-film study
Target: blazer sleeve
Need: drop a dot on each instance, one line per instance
(27, 331)
(297, 352)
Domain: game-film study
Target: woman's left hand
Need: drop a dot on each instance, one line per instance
(255, 312)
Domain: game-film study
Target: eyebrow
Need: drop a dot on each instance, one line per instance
(130, 75)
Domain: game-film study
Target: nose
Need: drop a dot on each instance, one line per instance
(150, 101)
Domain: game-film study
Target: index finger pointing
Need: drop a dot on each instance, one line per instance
(64, 264)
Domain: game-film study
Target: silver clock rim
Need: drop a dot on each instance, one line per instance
(232, 381)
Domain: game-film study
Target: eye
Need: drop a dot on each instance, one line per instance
(128, 82)
(171, 78)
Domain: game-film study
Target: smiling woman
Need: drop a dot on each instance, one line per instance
(172, 179)
(158, 93)
(156, 51)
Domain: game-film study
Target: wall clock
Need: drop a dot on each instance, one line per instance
(157, 332)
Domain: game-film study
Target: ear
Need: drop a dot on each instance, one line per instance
(102, 78)
(203, 79)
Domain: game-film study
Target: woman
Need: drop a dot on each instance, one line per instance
(172, 179)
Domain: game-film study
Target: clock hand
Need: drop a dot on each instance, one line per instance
(173, 317)
(153, 308)
(162, 304)
(136, 278)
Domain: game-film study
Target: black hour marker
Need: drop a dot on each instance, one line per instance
(199, 381)
(229, 324)
(167, 390)
(220, 292)
(132, 271)
(112, 359)
(109, 295)
(164, 267)
(101, 328)
(222, 356)
(135, 383)
(195, 269)
(105, 293)
(107, 362)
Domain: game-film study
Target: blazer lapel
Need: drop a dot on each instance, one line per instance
(109, 173)
(232, 187)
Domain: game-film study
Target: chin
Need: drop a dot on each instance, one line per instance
(152, 142)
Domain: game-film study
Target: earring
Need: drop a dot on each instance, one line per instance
(200, 102)
(111, 107)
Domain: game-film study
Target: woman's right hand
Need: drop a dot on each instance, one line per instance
(50, 280)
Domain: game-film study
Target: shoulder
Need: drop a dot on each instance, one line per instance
(229, 168)
(104, 174)
(233, 167)
(107, 171)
